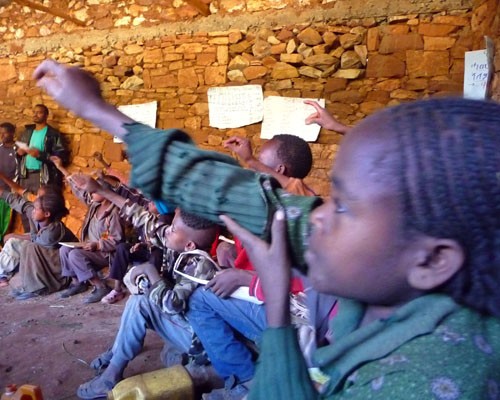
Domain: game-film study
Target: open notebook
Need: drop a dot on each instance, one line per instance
(241, 293)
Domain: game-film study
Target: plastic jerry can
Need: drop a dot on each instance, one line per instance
(172, 383)
(25, 392)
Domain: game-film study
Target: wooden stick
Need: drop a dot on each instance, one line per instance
(55, 11)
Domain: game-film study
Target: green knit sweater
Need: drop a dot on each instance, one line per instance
(430, 348)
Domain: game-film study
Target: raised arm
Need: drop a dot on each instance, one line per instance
(85, 100)
(324, 119)
(243, 149)
(90, 185)
(15, 187)
(59, 165)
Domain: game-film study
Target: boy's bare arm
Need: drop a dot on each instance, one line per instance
(80, 92)
(324, 119)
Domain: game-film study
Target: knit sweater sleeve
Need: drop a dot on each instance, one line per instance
(281, 370)
(168, 166)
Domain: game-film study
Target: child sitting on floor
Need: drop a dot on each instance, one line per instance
(410, 239)
(101, 231)
(37, 253)
(162, 306)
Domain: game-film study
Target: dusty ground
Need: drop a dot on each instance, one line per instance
(33, 333)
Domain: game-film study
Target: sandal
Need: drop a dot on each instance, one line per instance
(101, 362)
(96, 388)
(113, 297)
(4, 281)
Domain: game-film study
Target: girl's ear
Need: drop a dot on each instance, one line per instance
(47, 214)
(190, 246)
(437, 261)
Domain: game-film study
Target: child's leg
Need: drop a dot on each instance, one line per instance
(214, 319)
(138, 316)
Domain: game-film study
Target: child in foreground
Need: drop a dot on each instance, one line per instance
(410, 240)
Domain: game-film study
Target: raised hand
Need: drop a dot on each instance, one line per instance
(85, 182)
(79, 91)
(324, 119)
(240, 146)
(272, 263)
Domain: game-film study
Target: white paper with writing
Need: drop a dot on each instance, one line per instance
(144, 113)
(476, 74)
(235, 106)
(288, 115)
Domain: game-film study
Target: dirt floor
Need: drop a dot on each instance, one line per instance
(42, 340)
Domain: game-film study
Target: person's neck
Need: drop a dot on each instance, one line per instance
(43, 223)
(40, 126)
(8, 144)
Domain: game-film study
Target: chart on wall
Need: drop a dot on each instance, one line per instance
(145, 113)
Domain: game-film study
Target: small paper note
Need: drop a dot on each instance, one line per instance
(144, 113)
(288, 115)
(476, 74)
(235, 106)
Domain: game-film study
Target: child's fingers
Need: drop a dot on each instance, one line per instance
(278, 230)
(46, 67)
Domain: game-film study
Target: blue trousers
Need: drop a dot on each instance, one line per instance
(215, 320)
(140, 315)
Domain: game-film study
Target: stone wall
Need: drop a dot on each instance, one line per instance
(358, 64)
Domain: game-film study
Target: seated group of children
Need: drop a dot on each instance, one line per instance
(407, 244)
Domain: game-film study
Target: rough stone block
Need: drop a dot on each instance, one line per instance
(395, 43)
(187, 78)
(310, 37)
(284, 71)
(291, 58)
(254, 72)
(215, 75)
(436, 29)
(7, 72)
(382, 66)
(438, 43)
(427, 63)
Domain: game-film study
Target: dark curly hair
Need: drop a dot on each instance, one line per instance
(53, 202)
(295, 153)
(204, 231)
(448, 163)
(8, 127)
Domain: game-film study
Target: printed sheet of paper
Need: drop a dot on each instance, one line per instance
(235, 106)
(288, 115)
(144, 113)
(476, 74)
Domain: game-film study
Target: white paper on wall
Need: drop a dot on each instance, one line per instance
(235, 106)
(288, 115)
(476, 74)
(145, 113)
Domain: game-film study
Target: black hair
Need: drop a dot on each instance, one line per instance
(53, 202)
(295, 153)
(44, 107)
(53, 188)
(207, 229)
(8, 127)
(449, 180)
